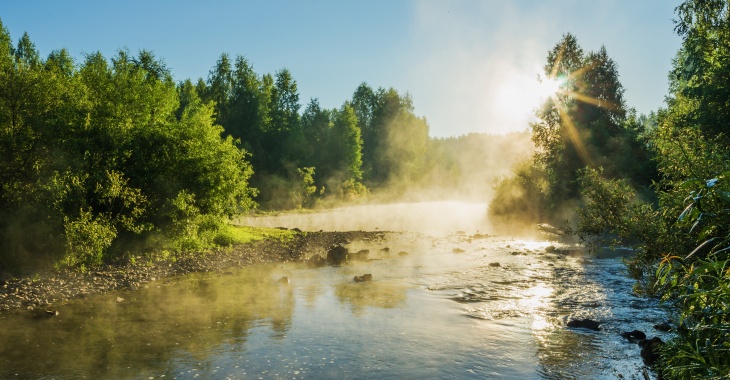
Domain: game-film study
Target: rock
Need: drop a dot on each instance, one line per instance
(458, 250)
(664, 326)
(363, 278)
(514, 253)
(494, 265)
(480, 236)
(584, 324)
(550, 249)
(283, 280)
(316, 261)
(385, 249)
(650, 350)
(296, 230)
(120, 299)
(402, 253)
(634, 336)
(337, 255)
(361, 255)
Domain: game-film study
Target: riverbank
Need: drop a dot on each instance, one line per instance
(39, 293)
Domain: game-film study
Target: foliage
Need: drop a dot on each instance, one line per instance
(103, 156)
(584, 124)
(683, 245)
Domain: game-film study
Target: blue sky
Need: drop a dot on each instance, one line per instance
(469, 65)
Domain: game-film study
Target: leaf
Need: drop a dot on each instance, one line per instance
(687, 210)
(691, 183)
(724, 195)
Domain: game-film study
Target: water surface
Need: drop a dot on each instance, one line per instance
(439, 306)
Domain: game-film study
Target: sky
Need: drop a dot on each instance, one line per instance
(468, 65)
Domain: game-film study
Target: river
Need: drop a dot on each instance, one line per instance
(447, 301)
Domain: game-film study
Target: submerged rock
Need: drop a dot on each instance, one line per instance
(283, 280)
(363, 278)
(494, 265)
(458, 250)
(402, 253)
(584, 324)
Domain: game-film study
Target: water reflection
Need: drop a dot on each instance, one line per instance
(380, 294)
(322, 324)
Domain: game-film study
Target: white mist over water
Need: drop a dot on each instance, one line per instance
(433, 218)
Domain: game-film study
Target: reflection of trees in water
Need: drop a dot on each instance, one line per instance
(105, 338)
(379, 294)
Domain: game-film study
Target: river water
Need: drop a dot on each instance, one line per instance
(445, 302)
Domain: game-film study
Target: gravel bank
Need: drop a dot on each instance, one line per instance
(41, 291)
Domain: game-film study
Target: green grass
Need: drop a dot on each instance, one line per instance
(232, 234)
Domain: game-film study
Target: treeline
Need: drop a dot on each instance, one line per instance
(659, 183)
(368, 142)
(111, 156)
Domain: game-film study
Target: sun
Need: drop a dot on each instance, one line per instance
(517, 95)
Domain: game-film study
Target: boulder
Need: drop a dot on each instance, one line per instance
(634, 336)
(316, 261)
(584, 324)
(494, 265)
(650, 350)
(361, 255)
(664, 326)
(337, 255)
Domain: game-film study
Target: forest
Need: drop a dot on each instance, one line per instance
(659, 183)
(110, 156)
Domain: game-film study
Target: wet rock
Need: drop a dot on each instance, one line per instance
(550, 249)
(514, 253)
(316, 261)
(402, 253)
(363, 278)
(494, 265)
(584, 324)
(361, 255)
(650, 350)
(337, 255)
(283, 280)
(458, 250)
(634, 336)
(480, 236)
(385, 249)
(664, 326)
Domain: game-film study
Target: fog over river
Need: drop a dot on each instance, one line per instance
(448, 299)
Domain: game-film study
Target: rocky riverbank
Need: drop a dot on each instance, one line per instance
(40, 292)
